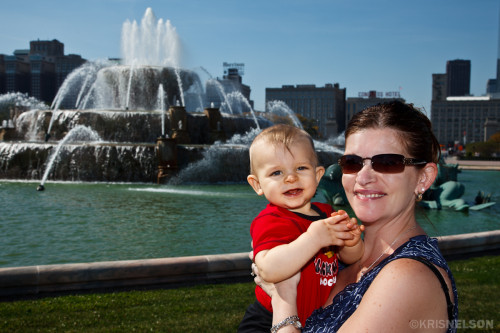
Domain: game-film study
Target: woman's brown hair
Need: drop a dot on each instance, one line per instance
(413, 126)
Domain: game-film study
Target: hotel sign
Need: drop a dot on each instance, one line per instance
(237, 65)
(379, 94)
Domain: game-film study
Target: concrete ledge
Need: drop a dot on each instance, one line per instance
(474, 164)
(130, 274)
(48, 280)
(467, 245)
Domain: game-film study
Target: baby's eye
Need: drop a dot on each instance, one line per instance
(275, 173)
(302, 168)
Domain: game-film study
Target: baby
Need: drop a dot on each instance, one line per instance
(292, 234)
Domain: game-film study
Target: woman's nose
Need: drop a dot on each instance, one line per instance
(366, 174)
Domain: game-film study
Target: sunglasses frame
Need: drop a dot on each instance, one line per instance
(404, 161)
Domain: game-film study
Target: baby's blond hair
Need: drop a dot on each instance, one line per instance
(285, 135)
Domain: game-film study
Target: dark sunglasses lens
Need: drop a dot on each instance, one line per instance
(351, 163)
(388, 163)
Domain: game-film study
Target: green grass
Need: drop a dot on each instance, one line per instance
(214, 308)
(478, 285)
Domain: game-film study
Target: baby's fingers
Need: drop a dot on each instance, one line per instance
(339, 212)
(352, 223)
(337, 218)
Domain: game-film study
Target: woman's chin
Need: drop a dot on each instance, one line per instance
(366, 217)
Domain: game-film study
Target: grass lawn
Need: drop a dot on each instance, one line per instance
(217, 308)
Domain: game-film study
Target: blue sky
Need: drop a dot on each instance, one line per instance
(385, 45)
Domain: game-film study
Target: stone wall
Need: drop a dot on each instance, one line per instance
(47, 280)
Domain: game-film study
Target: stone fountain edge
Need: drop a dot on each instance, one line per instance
(51, 280)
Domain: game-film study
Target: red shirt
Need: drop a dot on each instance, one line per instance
(277, 226)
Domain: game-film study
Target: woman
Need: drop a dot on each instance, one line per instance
(402, 283)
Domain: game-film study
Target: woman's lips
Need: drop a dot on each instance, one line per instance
(369, 194)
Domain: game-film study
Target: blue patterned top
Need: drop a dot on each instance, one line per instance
(333, 316)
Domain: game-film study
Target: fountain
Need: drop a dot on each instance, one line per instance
(279, 109)
(160, 102)
(79, 133)
(148, 115)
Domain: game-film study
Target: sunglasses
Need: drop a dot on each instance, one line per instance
(383, 163)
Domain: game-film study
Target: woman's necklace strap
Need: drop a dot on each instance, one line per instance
(364, 270)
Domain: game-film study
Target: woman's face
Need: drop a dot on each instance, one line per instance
(376, 196)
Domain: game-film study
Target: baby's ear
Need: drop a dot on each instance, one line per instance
(320, 171)
(254, 182)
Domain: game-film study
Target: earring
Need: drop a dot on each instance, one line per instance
(420, 195)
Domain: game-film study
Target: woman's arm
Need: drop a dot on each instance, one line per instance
(406, 296)
(283, 300)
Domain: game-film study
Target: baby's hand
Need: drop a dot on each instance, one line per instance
(354, 228)
(335, 230)
(330, 231)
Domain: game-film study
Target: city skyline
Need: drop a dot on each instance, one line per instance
(361, 45)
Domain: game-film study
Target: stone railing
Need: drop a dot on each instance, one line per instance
(46, 280)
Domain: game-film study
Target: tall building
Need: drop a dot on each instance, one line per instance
(49, 49)
(39, 71)
(42, 78)
(325, 105)
(493, 85)
(2, 74)
(65, 65)
(458, 118)
(17, 72)
(462, 120)
(439, 83)
(458, 77)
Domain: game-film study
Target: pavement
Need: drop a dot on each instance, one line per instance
(473, 165)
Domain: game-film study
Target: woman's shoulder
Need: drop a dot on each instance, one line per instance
(407, 289)
(418, 261)
(421, 246)
(405, 270)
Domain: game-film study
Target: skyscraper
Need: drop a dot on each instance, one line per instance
(38, 71)
(493, 85)
(457, 117)
(458, 77)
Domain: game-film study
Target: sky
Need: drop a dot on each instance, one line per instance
(363, 45)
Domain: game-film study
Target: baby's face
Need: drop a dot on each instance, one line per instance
(287, 178)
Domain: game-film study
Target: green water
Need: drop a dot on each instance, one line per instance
(87, 222)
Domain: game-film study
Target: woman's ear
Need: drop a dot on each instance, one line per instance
(427, 177)
(254, 182)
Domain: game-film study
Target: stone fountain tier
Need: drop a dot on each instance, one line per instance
(137, 87)
(129, 126)
(103, 86)
(121, 162)
(78, 162)
(127, 149)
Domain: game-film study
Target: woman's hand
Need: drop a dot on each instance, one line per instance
(281, 289)
(284, 302)
(283, 297)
